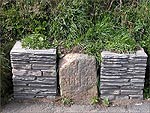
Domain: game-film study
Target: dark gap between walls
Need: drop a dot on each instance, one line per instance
(57, 72)
(98, 78)
(147, 77)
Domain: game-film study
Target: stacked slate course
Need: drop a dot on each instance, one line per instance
(34, 72)
(122, 75)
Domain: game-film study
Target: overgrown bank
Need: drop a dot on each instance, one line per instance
(77, 25)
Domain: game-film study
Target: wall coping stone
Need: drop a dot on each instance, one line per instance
(138, 53)
(18, 48)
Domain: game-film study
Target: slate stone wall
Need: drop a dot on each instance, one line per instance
(34, 72)
(122, 75)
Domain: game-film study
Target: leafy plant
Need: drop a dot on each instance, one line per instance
(67, 101)
(94, 100)
(36, 41)
(147, 93)
(145, 43)
(135, 18)
(106, 101)
(19, 18)
(6, 86)
(122, 42)
(71, 20)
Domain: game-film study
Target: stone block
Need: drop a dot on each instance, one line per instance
(131, 92)
(111, 55)
(112, 65)
(22, 57)
(130, 87)
(136, 96)
(24, 96)
(112, 68)
(103, 87)
(47, 93)
(112, 73)
(50, 78)
(115, 80)
(43, 67)
(115, 83)
(78, 76)
(21, 66)
(109, 77)
(113, 92)
(137, 84)
(23, 72)
(122, 97)
(136, 80)
(141, 65)
(49, 73)
(24, 78)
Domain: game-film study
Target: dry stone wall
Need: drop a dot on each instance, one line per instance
(122, 75)
(34, 72)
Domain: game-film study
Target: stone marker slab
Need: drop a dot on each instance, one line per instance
(78, 76)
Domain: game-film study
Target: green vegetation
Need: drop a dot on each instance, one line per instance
(122, 42)
(36, 41)
(92, 25)
(147, 93)
(106, 102)
(94, 100)
(6, 85)
(66, 101)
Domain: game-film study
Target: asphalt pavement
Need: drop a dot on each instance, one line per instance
(44, 107)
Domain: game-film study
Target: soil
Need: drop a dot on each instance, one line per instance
(63, 51)
(57, 102)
